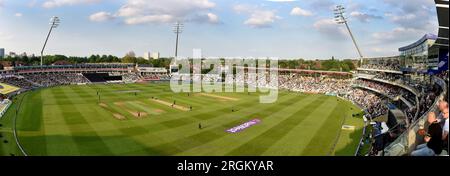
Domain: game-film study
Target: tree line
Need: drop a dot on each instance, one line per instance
(328, 65)
(62, 60)
(332, 64)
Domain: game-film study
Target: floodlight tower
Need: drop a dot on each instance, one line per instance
(339, 17)
(54, 23)
(177, 29)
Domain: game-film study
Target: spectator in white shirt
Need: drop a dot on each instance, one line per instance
(445, 127)
(443, 105)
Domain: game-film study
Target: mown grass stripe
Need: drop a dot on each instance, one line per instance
(207, 135)
(268, 138)
(87, 140)
(171, 133)
(62, 142)
(332, 125)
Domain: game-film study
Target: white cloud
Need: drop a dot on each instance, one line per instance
(135, 12)
(59, 3)
(330, 29)
(413, 19)
(297, 11)
(209, 17)
(364, 17)
(101, 16)
(149, 19)
(417, 14)
(18, 14)
(259, 18)
(399, 34)
(213, 18)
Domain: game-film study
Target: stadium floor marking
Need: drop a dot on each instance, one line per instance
(218, 96)
(150, 110)
(171, 105)
(110, 141)
(136, 114)
(115, 115)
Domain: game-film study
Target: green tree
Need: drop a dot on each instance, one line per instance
(129, 59)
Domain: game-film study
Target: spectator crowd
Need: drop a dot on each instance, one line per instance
(387, 89)
(384, 65)
(55, 79)
(373, 104)
(326, 85)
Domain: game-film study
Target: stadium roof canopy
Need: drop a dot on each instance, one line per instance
(442, 11)
(419, 42)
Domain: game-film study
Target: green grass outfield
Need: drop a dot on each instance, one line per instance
(69, 120)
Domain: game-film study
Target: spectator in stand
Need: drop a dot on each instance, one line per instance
(445, 129)
(384, 65)
(130, 77)
(390, 90)
(55, 79)
(433, 139)
(372, 103)
(18, 82)
(443, 75)
(443, 105)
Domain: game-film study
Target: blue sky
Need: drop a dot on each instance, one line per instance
(257, 28)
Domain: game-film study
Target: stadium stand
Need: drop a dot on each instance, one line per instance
(7, 89)
(32, 77)
(18, 81)
(382, 91)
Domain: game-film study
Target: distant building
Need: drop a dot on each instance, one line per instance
(416, 54)
(2, 52)
(147, 56)
(24, 54)
(12, 54)
(155, 55)
(131, 54)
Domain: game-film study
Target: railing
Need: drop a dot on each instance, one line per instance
(408, 141)
(362, 137)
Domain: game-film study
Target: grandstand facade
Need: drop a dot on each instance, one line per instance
(33, 77)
